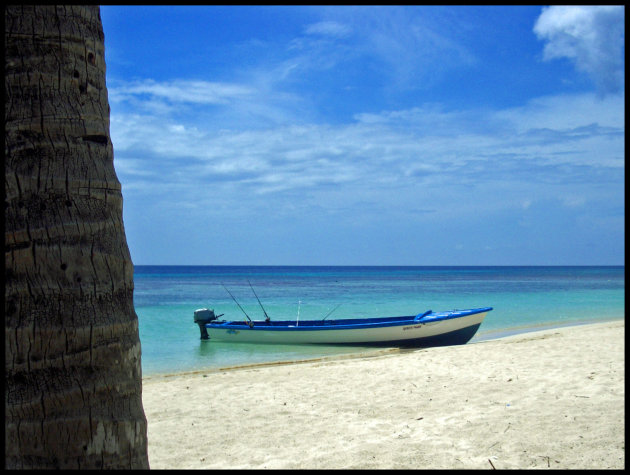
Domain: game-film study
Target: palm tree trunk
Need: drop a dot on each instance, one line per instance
(73, 396)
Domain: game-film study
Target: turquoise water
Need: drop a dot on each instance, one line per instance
(523, 298)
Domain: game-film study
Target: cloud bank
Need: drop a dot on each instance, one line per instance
(591, 36)
(559, 139)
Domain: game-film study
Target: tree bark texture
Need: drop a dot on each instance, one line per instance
(73, 396)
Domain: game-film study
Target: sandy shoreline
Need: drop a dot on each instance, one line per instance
(548, 399)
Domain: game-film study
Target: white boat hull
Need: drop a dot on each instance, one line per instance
(440, 329)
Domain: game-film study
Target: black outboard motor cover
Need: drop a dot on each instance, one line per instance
(203, 316)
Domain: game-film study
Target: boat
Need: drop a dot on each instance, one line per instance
(454, 327)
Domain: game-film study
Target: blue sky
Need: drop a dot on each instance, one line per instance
(404, 135)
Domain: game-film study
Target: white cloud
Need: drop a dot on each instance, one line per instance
(573, 201)
(414, 46)
(328, 28)
(188, 91)
(409, 47)
(375, 158)
(566, 111)
(591, 36)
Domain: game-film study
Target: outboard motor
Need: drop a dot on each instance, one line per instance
(203, 316)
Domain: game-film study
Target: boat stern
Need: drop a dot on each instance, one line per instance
(203, 316)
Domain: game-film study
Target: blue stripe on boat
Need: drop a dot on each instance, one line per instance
(348, 323)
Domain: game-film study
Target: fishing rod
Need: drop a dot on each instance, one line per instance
(249, 322)
(267, 319)
(331, 312)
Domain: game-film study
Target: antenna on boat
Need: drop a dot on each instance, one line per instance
(331, 312)
(297, 322)
(249, 320)
(261, 305)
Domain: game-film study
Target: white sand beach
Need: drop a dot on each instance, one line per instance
(547, 399)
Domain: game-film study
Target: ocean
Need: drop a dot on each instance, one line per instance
(523, 299)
